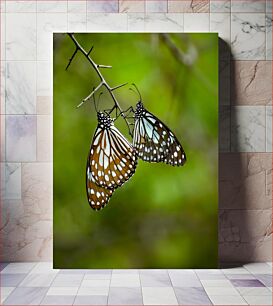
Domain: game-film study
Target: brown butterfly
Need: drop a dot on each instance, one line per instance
(112, 160)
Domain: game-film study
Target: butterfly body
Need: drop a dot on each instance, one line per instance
(154, 141)
(111, 162)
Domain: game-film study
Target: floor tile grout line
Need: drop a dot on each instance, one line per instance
(8, 294)
(173, 287)
(204, 287)
(78, 288)
(18, 285)
(141, 287)
(240, 294)
(242, 267)
(168, 272)
(29, 272)
(252, 273)
(107, 300)
(48, 288)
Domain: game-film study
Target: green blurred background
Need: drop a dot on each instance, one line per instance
(164, 217)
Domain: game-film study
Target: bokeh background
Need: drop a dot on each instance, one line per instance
(164, 217)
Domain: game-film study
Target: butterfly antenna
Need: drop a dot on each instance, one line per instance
(97, 107)
(101, 93)
(136, 91)
(95, 101)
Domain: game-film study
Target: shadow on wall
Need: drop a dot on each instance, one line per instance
(230, 167)
(236, 223)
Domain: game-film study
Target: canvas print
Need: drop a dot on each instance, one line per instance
(135, 150)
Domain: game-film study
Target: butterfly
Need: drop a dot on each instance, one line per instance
(154, 141)
(112, 160)
(97, 196)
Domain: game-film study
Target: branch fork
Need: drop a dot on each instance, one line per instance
(103, 82)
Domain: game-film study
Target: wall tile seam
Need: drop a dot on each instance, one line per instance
(230, 7)
(26, 162)
(137, 12)
(142, 12)
(269, 209)
(25, 114)
(247, 153)
(234, 106)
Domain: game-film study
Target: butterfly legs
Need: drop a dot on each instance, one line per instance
(107, 111)
(110, 110)
(128, 110)
(125, 115)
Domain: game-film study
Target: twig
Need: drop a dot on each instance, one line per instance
(103, 81)
(118, 86)
(90, 50)
(104, 66)
(187, 60)
(70, 60)
(91, 94)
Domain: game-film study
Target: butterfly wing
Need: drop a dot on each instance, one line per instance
(124, 158)
(97, 196)
(155, 142)
(112, 158)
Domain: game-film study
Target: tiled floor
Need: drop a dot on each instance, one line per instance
(39, 284)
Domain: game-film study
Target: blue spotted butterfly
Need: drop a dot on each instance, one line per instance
(154, 141)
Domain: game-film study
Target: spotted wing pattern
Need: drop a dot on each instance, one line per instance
(111, 162)
(97, 196)
(112, 158)
(154, 141)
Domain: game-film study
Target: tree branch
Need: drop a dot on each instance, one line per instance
(91, 95)
(187, 59)
(103, 81)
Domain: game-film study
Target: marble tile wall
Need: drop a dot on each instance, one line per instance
(245, 111)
